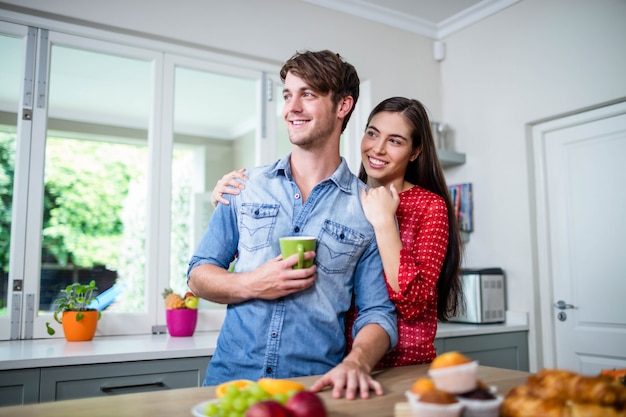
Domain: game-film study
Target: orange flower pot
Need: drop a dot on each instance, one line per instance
(82, 330)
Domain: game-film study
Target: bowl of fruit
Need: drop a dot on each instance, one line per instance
(266, 397)
(181, 313)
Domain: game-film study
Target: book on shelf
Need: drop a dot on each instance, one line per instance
(461, 195)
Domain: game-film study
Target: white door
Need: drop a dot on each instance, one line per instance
(581, 212)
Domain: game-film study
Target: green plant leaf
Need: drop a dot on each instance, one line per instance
(75, 297)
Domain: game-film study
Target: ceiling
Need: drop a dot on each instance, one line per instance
(431, 18)
(103, 89)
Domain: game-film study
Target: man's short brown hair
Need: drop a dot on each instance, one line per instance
(325, 72)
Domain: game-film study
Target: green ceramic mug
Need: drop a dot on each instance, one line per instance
(298, 244)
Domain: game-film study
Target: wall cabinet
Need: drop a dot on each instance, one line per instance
(503, 350)
(81, 381)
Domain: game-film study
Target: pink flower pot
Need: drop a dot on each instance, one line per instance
(181, 322)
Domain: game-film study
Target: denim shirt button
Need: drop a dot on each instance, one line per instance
(268, 370)
(296, 229)
(296, 196)
(274, 334)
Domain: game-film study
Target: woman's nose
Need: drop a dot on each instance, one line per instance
(379, 146)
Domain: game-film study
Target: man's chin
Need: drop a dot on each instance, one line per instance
(304, 143)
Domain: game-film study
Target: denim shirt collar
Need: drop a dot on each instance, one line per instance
(342, 176)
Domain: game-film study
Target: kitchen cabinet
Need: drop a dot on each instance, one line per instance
(503, 350)
(71, 382)
(56, 383)
(19, 387)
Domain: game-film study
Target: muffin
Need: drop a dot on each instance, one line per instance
(454, 372)
(449, 359)
(419, 387)
(481, 402)
(436, 403)
(481, 392)
(482, 408)
(422, 385)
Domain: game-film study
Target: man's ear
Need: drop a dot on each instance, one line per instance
(344, 106)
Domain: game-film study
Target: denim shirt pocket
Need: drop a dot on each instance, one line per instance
(337, 247)
(257, 224)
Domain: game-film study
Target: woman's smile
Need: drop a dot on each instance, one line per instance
(375, 162)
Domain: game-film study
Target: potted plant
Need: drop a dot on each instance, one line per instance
(73, 311)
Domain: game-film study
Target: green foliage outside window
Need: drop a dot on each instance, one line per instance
(95, 205)
(7, 166)
(86, 186)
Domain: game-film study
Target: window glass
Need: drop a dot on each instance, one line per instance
(215, 121)
(123, 139)
(10, 71)
(96, 178)
(283, 145)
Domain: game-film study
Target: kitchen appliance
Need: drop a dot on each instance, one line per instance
(484, 291)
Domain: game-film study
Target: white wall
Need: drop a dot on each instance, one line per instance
(534, 60)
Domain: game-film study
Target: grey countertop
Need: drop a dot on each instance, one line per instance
(40, 353)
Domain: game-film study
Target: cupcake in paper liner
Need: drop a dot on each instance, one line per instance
(436, 403)
(453, 372)
(481, 408)
(481, 402)
(419, 387)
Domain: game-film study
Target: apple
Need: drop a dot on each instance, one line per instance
(268, 408)
(192, 302)
(306, 404)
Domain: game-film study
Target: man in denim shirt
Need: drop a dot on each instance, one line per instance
(281, 322)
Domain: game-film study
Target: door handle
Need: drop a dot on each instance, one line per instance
(562, 305)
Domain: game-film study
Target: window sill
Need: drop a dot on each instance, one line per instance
(41, 353)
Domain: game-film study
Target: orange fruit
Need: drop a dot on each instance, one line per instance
(221, 389)
(422, 385)
(449, 359)
(279, 386)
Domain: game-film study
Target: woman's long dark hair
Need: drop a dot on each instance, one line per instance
(426, 172)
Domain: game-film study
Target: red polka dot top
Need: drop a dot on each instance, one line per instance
(423, 223)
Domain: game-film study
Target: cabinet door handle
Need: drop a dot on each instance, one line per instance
(112, 390)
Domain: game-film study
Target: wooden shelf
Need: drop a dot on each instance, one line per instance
(450, 158)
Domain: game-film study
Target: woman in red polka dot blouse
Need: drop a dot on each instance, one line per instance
(410, 209)
(422, 254)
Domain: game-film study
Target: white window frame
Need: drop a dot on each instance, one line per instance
(25, 262)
